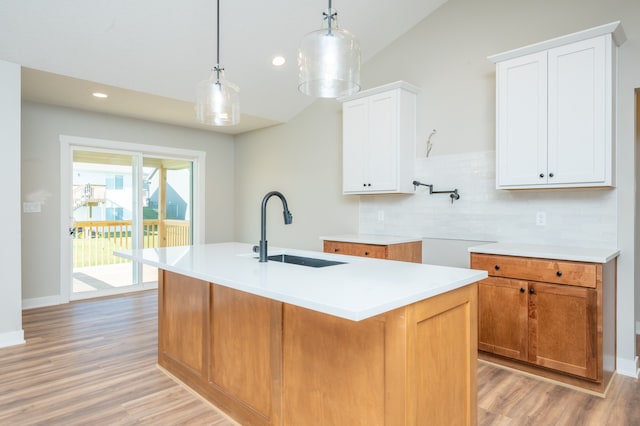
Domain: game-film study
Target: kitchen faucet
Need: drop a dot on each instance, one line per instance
(288, 218)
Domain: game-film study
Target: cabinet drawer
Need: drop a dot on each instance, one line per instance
(546, 270)
(356, 249)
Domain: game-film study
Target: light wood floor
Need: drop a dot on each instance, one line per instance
(94, 363)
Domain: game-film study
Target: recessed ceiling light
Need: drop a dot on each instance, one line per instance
(278, 61)
(100, 95)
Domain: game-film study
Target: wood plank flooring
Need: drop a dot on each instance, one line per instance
(94, 363)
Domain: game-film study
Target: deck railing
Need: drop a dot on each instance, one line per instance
(95, 241)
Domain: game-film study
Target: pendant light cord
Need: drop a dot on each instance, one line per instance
(218, 34)
(217, 68)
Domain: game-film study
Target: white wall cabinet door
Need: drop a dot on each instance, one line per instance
(522, 120)
(379, 140)
(578, 113)
(383, 142)
(354, 129)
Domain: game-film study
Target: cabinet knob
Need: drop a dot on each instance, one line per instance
(366, 253)
(368, 184)
(550, 175)
(559, 273)
(541, 175)
(497, 267)
(335, 250)
(532, 291)
(364, 184)
(521, 290)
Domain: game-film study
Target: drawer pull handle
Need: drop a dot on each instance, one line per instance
(559, 273)
(521, 290)
(497, 267)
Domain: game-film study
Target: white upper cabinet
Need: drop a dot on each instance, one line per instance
(378, 138)
(554, 111)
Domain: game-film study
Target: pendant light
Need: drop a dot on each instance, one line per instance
(329, 60)
(217, 99)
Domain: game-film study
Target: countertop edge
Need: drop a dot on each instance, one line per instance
(371, 239)
(577, 254)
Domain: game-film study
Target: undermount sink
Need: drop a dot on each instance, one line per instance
(303, 261)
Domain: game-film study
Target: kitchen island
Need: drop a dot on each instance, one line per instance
(366, 341)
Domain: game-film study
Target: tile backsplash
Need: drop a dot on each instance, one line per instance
(582, 217)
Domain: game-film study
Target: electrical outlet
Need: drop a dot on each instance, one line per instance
(380, 215)
(541, 218)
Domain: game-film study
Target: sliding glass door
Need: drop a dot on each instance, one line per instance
(125, 200)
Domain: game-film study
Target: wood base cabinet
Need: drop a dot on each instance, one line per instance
(265, 362)
(406, 252)
(562, 329)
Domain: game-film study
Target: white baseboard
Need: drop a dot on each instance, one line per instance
(628, 367)
(41, 302)
(12, 338)
(114, 291)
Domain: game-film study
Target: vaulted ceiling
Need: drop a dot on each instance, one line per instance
(149, 55)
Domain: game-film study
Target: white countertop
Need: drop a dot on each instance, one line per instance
(358, 289)
(381, 240)
(579, 254)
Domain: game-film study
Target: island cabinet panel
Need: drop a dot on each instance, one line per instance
(265, 362)
(443, 337)
(386, 370)
(245, 349)
(183, 318)
(328, 362)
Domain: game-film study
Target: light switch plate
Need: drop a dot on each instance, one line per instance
(31, 207)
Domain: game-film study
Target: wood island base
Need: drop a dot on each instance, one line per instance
(265, 362)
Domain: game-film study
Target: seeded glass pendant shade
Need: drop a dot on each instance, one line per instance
(329, 60)
(217, 99)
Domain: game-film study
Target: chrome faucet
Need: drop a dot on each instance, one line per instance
(288, 218)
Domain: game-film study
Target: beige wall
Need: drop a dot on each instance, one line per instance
(11, 332)
(41, 127)
(444, 55)
(301, 159)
